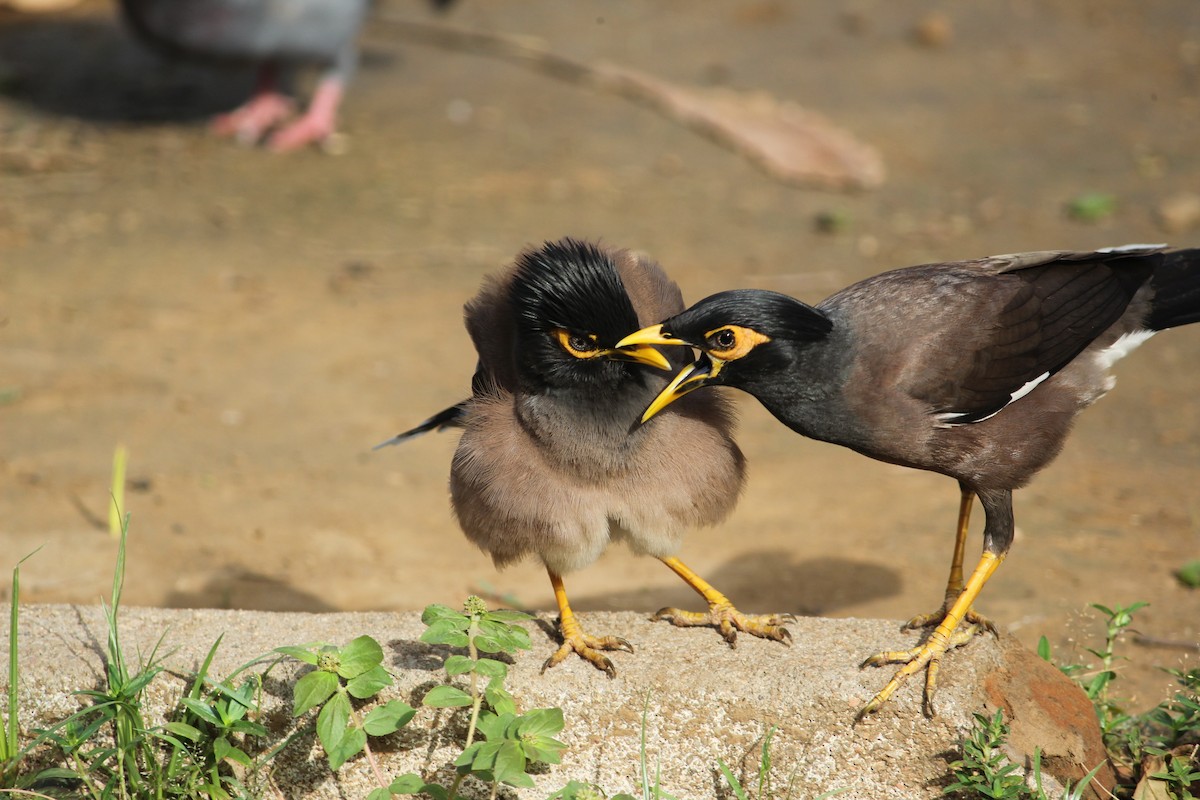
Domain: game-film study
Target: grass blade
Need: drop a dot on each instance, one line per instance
(120, 456)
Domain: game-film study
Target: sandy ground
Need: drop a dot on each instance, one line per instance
(250, 325)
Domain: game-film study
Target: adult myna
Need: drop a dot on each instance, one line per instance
(973, 369)
(552, 462)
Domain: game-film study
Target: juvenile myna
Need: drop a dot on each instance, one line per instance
(552, 462)
(972, 369)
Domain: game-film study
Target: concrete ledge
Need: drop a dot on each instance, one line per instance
(706, 701)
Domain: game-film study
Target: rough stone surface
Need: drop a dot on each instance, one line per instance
(701, 700)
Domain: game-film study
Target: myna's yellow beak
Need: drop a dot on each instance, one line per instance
(647, 336)
(693, 376)
(641, 354)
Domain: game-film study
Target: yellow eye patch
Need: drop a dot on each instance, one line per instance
(577, 344)
(729, 342)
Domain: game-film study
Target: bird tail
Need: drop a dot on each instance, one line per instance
(451, 417)
(1176, 284)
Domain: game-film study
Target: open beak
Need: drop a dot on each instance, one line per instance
(640, 354)
(693, 376)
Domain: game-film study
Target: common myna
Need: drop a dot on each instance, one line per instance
(973, 369)
(552, 462)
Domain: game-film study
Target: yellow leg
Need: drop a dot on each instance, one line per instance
(721, 612)
(576, 641)
(945, 637)
(954, 584)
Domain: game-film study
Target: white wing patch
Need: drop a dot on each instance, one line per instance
(1126, 344)
(1132, 248)
(949, 417)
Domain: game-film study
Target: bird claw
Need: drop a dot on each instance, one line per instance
(930, 620)
(927, 656)
(588, 648)
(250, 122)
(728, 620)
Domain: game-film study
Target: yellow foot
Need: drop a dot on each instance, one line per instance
(927, 656)
(930, 620)
(588, 648)
(728, 620)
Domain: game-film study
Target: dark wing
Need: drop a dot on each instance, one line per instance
(1176, 284)
(1046, 313)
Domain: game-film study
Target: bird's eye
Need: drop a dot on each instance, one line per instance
(723, 339)
(580, 345)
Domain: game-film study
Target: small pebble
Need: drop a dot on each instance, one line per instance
(1180, 212)
(933, 31)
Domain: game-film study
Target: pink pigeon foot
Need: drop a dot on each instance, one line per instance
(251, 121)
(317, 124)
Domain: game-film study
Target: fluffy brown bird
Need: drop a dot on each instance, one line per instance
(972, 369)
(552, 463)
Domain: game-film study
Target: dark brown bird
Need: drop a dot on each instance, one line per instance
(552, 462)
(972, 369)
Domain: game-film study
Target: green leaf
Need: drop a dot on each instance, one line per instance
(312, 690)
(543, 749)
(221, 748)
(488, 644)
(380, 794)
(438, 612)
(499, 699)
(1043, 650)
(458, 665)
(201, 709)
(1189, 574)
(1092, 206)
(409, 783)
(369, 683)
(493, 726)
(540, 722)
(350, 745)
(509, 764)
(184, 730)
(467, 757)
(435, 791)
(297, 652)
(734, 784)
(359, 656)
(388, 718)
(508, 615)
(248, 728)
(445, 632)
(333, 721)
(446, 697)
(239, 756)
(56, 774)
(491, 668)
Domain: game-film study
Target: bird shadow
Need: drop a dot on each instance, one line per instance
(766, 581)
(93, 68)
(245, 589)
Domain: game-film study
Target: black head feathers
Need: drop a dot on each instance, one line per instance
(573, 285)
(772, 314)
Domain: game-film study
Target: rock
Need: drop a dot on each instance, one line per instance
(700, 700)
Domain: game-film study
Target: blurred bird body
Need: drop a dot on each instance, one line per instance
(552, 463)
(276, 35)
(974, 370)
